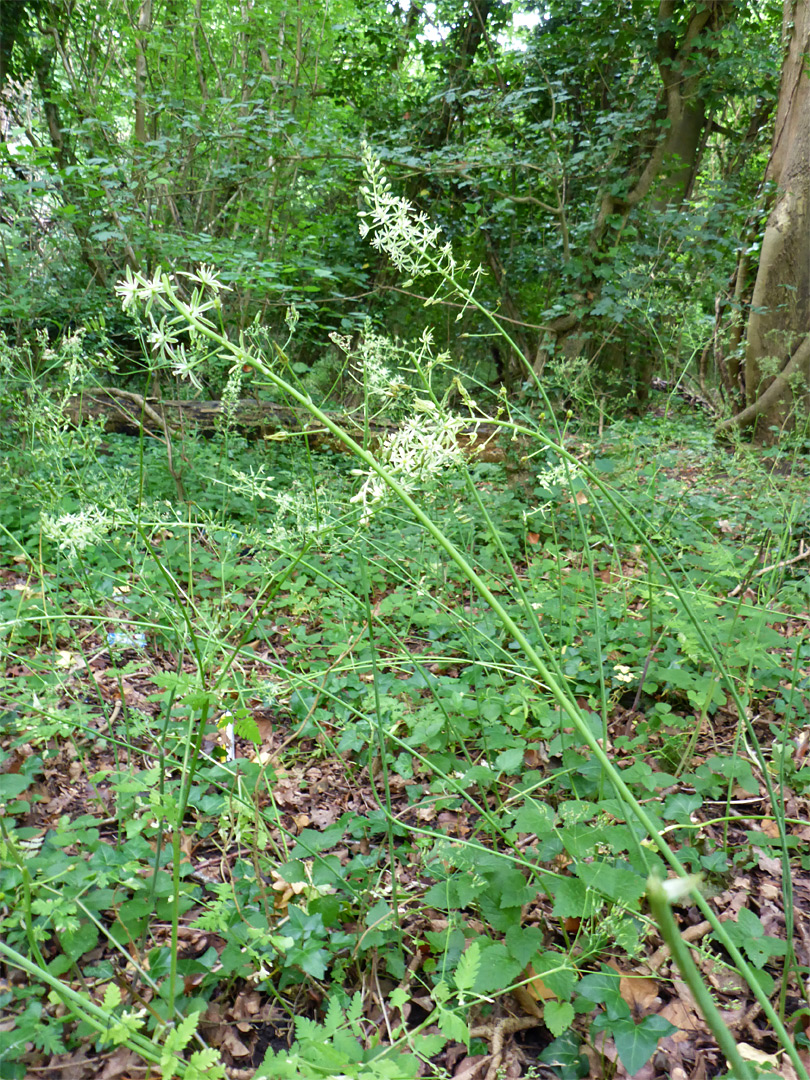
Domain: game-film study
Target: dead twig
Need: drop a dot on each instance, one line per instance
(804, 553)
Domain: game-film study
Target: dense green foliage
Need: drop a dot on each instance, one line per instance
(347, 745)
(137, 135)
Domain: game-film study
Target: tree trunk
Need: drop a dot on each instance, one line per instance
(662, 175)
(777, 357)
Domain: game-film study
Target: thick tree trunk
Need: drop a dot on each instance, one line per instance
(777, 357)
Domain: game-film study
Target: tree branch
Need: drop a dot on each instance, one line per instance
(799, 360)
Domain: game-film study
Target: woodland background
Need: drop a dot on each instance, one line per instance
(629, 175)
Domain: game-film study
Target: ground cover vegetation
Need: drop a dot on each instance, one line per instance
(436, 705)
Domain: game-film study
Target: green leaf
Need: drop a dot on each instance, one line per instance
(524, 942)
(468, 966)
(76, 943)
(12, 785)
(510, 761)
(311, 841)
(564, 1057)
(750, 924)
(453, 1027)
(247, 728)
(571, 899)
(205, 1065)
(557, 973)
(615, 882)
(112, 997)
(498, 969)
(534, 817)
(558, 1016)
(601, 987)
(636, 1043)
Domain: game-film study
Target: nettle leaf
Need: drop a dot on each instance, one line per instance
(76, 943)
(616, 882)
(498, 969)
(558, 1016)
(571, 898)
(510, 761)
(524, 942)
(534, 817)
(557, 973)
(512, 888)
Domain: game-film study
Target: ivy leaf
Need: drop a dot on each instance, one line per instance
(636, 1043)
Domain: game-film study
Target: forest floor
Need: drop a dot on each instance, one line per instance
(321, 804)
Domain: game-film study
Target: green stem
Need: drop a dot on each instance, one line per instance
(662, 913)
(83, 1007)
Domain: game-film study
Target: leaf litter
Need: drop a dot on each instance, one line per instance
(314, 786)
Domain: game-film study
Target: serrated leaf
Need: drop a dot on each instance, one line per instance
(333, 1019)
(615, 882)
(524, 942)
(76, 943)
(498, 969)
(205, 1065)
(247, 728)
(355, 1009)
(510, 761)
(112, 997)
(558, 1016)
(570, 898)
(453, 1027)
(555, 971)
(534, 817)
(468, 966)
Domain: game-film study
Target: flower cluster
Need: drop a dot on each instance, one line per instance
(393, 226)
(75, 532)
(561, 475)
(421, 447)
(168, 335)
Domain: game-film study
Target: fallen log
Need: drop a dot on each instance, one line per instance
(129, 413)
